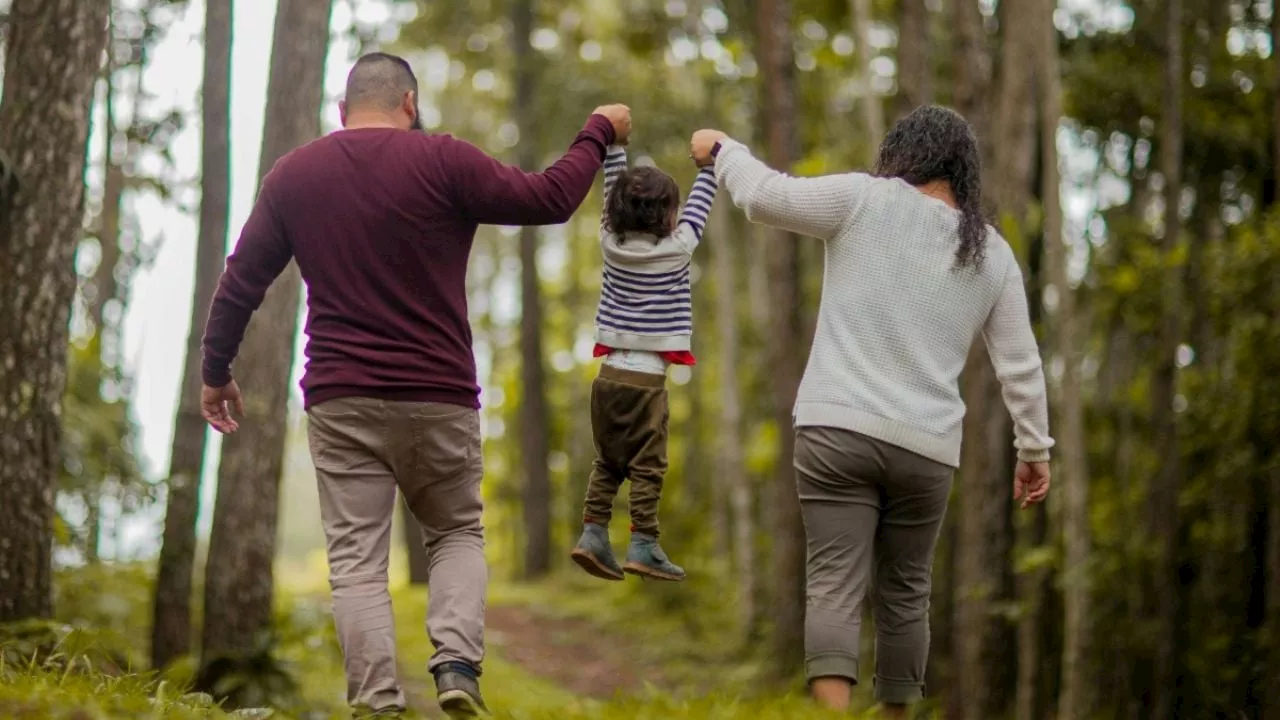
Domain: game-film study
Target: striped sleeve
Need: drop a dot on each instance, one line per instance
(615, 162)
(698, 207)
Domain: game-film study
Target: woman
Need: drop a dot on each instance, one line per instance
(913, 276)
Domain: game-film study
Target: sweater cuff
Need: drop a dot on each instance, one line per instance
(214, 376)
(1034, 456)
(599, 127)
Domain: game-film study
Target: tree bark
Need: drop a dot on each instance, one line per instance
(1164, 524)
(105, 287)
(872, 111)
(982, 576)
(1272, 689)
(53, 54)
(238, 577)
(1074, 699)
(534, 443)
(1272, 692)
(915, 61)
(731, 477)
(776, 60)
(972, 67)
(171, 623)
(578, 444)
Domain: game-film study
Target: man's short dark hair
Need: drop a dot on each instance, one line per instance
(378, 81)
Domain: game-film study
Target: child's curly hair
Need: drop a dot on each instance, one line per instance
(643, 200)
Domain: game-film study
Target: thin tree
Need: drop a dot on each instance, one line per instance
(53, 53)
(776, 59)
(731, 477)
(1272, 693)
(1164, 523)
(1074, 698)
(171, 616)
(238, 576)
(915, 59)
(534, 443)
(982, 560)
(872, 112)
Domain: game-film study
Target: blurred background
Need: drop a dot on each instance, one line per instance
(1132, 159)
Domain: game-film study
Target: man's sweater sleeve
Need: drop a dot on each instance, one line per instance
(493, 193)
(1016, 358)
(817, 206)
(261, 254)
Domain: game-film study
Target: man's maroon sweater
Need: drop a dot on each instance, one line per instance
(381, 223)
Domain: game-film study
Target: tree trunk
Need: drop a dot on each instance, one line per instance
(972, 68)
(53, 54)
(872, 111)
(1272, 692)
(1275, 99)
(1074, 699)
(776, 59)
(414, 549)
(981, 563)
(915, 61)
(1271, 687)
(238, 577)
(578, 445)
(1164, 523)
(534, 443)
(105, 287)
(731, 477)
(171, 628)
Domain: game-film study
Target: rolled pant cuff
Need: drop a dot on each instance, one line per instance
(832, 664)
(898, 692)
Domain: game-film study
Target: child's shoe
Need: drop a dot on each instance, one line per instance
(646, 559)
(594, 554)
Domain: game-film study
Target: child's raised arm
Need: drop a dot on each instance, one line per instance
(697, 208)
(615, 162)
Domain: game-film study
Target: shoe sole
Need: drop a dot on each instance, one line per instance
(458, 704)
(644, 571)
(594, 567)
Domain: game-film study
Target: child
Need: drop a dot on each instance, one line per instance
(643, 324)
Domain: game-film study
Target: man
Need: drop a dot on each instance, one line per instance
(381, 222)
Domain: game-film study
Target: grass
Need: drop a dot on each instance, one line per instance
(86, 672)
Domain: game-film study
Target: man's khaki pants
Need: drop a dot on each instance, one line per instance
(363, 448)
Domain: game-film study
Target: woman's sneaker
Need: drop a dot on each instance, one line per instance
(594, 554)
(458, 691)
(646, 559)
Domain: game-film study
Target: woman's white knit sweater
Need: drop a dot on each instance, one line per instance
(898, 317)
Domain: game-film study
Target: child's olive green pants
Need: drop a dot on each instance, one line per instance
(629, 428)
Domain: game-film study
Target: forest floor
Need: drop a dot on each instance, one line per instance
(548, 658)
(570, 648)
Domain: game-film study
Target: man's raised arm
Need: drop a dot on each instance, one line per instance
(493, 193)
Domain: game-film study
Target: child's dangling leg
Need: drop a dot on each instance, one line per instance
(646, 470)
(593, 552)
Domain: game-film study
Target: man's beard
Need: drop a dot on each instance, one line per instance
(417, 120)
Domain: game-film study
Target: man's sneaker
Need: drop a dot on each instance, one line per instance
(458, 691)
(594, 554)
(646, 559)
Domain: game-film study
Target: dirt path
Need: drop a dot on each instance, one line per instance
(578, 656)
(573, 654)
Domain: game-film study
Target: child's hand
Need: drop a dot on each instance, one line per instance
(701, 145)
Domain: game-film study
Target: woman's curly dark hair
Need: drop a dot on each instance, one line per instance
(934, 143)
(643, 200)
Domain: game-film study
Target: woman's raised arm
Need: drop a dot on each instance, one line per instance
(817, 207)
